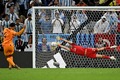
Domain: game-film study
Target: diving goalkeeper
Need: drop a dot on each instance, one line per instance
(88, 52)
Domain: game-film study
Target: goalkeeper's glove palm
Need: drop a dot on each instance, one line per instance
(58, 38)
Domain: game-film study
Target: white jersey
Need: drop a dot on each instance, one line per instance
(100, 27)
(57, 25)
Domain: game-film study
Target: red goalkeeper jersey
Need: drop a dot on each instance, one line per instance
(90, 52)
(77, 49)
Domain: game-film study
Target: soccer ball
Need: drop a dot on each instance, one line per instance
(53, 44)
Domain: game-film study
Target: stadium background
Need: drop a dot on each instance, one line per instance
(86, 40)
(103, 69)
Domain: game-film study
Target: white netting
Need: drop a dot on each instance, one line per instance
(86, 26)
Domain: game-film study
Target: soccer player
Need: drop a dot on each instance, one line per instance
(8, 44)
(89, 52)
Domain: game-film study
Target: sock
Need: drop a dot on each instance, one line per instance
(10, 61)
(10, 65)
(107, 47)
(106, 57)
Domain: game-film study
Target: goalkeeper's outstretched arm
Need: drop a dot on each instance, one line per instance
(59, 38)
(64, 47)
(70, 42)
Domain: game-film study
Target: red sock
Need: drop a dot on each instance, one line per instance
(107, 47)
(106, 57)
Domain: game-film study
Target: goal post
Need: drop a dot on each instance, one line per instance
(83, 33)
(34, 34)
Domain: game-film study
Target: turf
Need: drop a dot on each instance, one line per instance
(60, 74)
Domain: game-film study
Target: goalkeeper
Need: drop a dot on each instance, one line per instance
(89, 52)
(8, 44)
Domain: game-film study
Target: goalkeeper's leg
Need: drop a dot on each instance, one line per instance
(92, 53)
(105, 48)
(105, 57)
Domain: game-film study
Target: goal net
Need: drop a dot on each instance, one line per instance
(93, 27)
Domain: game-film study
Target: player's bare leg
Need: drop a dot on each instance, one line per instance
(105, 57)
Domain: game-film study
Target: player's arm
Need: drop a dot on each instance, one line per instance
(21, 31)
(64, 47)
(67, 41)
(59, 38)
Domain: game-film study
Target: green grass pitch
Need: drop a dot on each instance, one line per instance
(60, 74)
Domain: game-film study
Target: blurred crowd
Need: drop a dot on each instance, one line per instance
(20, 12)
(24, 7)
(68, 21)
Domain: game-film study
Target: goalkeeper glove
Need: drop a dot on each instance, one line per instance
(58, 38)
